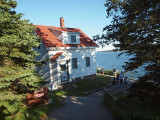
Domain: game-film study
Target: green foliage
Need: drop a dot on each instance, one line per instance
(33, 113)
(135, 27)
(146, 91)
(17, 58)
(107, 72)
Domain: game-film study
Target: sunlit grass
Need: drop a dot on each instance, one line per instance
(86, 85)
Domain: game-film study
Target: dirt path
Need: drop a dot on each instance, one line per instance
(82, 108)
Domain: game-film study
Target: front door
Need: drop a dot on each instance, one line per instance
(64, 73)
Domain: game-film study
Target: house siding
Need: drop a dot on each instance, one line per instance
(44, 71)
(54, 75)
(82, 70)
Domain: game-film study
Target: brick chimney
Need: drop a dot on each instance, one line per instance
(62, 22)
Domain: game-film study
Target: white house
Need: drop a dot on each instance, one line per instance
(71, 54)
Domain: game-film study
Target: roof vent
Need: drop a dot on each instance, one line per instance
(62, 22)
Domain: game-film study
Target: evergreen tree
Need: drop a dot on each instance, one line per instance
(17, 58)
(135, 27)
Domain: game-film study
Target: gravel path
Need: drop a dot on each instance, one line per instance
(89, 107)
(117, 88)
(82, 108)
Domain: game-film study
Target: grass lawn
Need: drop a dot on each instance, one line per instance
(86, 85)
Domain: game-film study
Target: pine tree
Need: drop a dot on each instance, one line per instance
(135, 27)
(17, 58)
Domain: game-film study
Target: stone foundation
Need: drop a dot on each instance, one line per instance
(85, 77)
(90, 76)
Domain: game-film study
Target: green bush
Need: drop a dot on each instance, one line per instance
(107, 72)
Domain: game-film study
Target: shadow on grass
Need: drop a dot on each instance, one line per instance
(86, 85)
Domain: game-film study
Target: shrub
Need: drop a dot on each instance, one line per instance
(107, 72)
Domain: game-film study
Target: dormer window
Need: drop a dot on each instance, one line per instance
(66, 37)
(73, 38)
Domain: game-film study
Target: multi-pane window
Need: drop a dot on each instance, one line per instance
(73, 38)
(87, 61)
(74, 63)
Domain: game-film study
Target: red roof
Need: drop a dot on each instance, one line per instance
(54, 57)
(50, 40)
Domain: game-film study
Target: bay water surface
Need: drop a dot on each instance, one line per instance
(109, 60)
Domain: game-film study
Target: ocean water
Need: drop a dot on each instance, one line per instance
(108, 60)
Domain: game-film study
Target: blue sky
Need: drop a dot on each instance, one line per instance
(87, 15)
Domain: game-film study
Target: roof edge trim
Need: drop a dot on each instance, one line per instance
(70, 48)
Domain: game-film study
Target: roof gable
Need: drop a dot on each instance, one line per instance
(54, 57)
